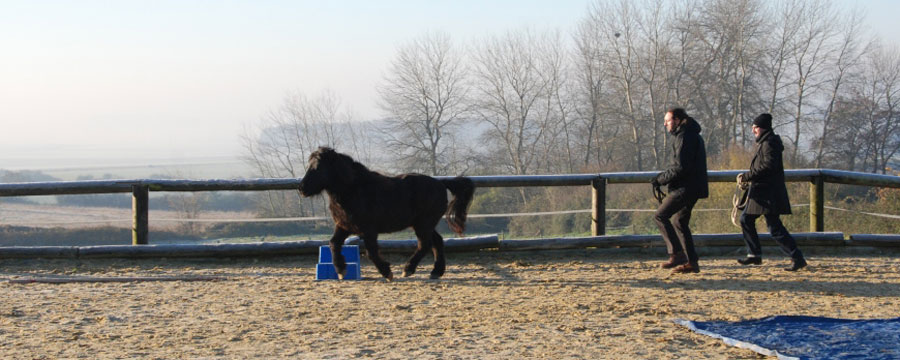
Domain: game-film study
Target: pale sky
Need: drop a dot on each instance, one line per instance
(181, 78)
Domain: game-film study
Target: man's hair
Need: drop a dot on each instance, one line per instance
(678, 113)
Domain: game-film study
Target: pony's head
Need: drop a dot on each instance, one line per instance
(326, 168)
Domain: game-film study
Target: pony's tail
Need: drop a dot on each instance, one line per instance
(463, 189)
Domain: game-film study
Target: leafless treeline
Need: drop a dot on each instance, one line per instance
(530, 101)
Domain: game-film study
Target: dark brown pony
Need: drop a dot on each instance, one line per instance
(366, 203)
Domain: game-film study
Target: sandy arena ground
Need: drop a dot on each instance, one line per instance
(490, 305)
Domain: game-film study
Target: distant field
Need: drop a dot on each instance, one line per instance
(72, 169)
(225, 170)
(48, 216)
(84, 226)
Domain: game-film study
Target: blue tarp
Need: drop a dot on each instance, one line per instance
(808, 337)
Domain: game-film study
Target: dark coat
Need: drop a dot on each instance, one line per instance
(768, 193)
(687, 172)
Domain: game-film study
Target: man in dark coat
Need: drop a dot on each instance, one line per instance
(687, 182)
(767, 196)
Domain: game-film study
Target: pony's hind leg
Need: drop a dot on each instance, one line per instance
(384, 267)
(335, 244)
(440, 264)
(424, 244)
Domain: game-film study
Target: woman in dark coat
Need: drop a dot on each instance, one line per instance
(767, 196)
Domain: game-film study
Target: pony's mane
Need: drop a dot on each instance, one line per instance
(358, 168)
(329, 154)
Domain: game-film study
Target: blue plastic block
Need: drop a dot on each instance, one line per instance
(325, 271)
(350, 252)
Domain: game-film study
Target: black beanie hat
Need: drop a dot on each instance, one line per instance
(763, 121)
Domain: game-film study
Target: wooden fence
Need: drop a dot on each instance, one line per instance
(140, 189)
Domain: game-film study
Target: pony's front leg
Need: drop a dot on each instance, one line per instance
(335, 244)
(384, 267)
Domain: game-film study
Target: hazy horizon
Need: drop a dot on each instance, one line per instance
(70, 162)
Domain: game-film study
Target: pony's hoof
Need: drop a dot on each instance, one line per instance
(341, 275)
(434, 277)
(389, 277)
(406, 274)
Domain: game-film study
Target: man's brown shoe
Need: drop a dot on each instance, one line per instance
(686, 269)
(674, 260)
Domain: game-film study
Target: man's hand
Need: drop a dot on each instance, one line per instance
(743, 184)
(657, 192)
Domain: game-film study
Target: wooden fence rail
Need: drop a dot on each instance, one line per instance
(140, 189)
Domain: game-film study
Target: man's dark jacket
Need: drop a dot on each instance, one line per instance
(768, 193)
(688, 170)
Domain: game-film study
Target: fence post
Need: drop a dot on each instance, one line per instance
(598, 207)
(817, 204)
(140, 206)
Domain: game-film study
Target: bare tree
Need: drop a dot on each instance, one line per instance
(727, 33)
(849, 55)
(559, 105)
(187, 206)
(424, 95)
(286, 136)
(622, 30)
(780, 39)
(554, 149)
(282, 141)
(810, 53)
(848, 137)
(885, 124)
(512, 86)
(747, 34)
(657, 72)
(589, 92)
(865, 124)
